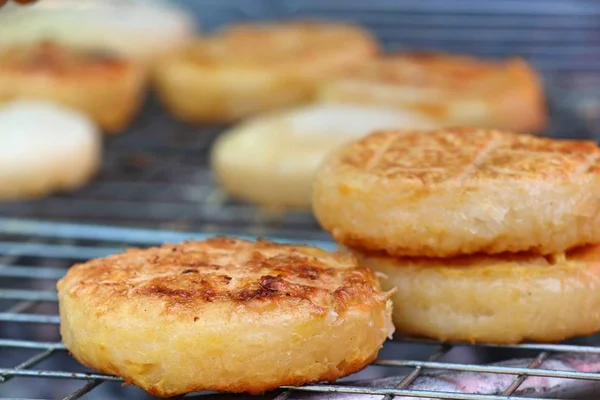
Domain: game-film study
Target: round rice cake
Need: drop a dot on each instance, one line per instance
(106, 87)
(246, 69)
(460, 191)
(453, 90)
(223, 314)
(44, 148)
(507, 298)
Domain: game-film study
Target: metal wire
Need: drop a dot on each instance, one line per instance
(47, 350)
(156, 176)
(408, 379)
(39, 251)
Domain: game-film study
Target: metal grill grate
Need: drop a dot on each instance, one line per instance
(33, 255)
(156, 176)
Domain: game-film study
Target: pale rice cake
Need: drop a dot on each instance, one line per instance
(45, 148)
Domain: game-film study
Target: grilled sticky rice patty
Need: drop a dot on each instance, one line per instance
(250, 68)
(450, 89)
(107, 88)
(460, 191)
(223, 314)
(501, 299)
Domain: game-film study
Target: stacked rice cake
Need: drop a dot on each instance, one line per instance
(489, 236)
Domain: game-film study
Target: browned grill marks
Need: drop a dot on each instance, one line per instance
(461, 154)
(226, 270)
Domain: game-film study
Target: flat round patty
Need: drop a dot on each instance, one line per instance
(247, 69)
(453, 90)
(499, 299)
(106, 87)
(45, 148)
(460, 191)
(223, 314)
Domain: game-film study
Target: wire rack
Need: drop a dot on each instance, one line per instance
(155, 177)
(34, 255)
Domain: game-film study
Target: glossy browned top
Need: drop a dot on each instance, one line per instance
(461, 154)
(221, 270)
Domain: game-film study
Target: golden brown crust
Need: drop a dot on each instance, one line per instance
(236, 301)
(251, 68)
(460, 191)
(464, 155)
(105, 87)
(453, 89)
(194, 274)
(508, 298)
